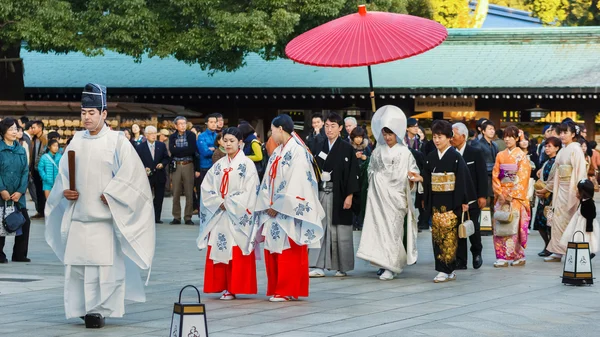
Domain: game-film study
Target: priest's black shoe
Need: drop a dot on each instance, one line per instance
(176, 222)
(4, 260)
(477, 261)
(23, 259)
(158, 222)
(94, 321)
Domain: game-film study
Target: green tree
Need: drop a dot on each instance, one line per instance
(216, 34)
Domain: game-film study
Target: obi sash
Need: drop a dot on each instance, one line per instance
(443, 182)
(565, 172)
(508, 173)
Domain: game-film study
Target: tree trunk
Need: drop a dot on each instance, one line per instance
(12, 85)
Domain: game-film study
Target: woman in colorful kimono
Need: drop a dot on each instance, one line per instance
(226, 221)
(288, 214)
(510, 181)
(570, 169)
(448, 187)
(553, 145)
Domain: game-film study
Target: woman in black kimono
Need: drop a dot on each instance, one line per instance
(448, 189)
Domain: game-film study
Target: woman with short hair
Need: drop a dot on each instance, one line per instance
(14, 176)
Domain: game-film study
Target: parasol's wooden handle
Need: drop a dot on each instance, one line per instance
(71, 155)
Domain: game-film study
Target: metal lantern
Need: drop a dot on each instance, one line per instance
(189, 319)
(578, 265)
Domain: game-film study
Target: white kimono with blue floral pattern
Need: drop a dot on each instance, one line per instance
(290, 188)
(224, 229)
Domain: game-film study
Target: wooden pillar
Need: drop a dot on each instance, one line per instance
(495, 117)
(589, 117)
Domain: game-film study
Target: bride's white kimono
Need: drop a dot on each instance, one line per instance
(232, 227)
(101, 245)
(389, 201)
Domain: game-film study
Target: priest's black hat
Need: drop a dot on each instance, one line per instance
(94, 96)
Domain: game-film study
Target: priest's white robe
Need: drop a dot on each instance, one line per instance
(389, 202)
(100, 244)
(232, 227)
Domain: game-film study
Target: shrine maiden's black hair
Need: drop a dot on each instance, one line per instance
(442, 127)
(586, 189)
(285, 122)
(237, 133)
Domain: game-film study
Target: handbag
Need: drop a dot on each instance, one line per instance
(14, 221)
(507, 221)
(466, 228)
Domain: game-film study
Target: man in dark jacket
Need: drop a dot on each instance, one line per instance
(155, 158)
(339, 166)
(489, 150)
(477, 169)
(182, 145)
(317, 137)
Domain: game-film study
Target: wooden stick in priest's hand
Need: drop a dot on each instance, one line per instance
(71, 155)
(71, 193)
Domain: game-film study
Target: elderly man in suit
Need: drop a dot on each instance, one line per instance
(477, 169)
(155, 158)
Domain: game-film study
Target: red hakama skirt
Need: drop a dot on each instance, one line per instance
(287, 273)
(237, 277)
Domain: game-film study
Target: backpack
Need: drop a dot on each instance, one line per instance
(261, 166)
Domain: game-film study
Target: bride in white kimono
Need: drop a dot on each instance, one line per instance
(105, 227)
(227, 205)
(392, 173)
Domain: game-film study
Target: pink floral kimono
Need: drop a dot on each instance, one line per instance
(510, 177)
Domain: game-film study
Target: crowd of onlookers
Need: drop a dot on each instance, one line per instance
(176, 162)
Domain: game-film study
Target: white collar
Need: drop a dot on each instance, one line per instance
(462, 151)
(441, 154)
(331, 144)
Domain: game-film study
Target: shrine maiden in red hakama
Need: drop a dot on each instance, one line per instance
(227, 202)
(288, 214)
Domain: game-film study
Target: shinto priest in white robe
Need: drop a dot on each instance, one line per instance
(101, 245)
(389, 198)
(290, 188)
(232, 227)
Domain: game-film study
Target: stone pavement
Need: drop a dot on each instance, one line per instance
(527, 301)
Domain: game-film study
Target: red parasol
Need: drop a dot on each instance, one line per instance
(365, 39)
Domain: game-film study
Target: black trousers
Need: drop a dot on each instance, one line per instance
(21, 247)
(41, 197)
(159, 196)
(476, 247)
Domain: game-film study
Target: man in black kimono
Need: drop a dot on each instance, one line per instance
(447, 185)
(339, 166)
(477, 169)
